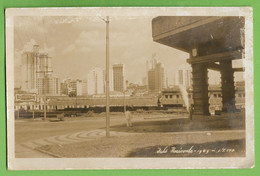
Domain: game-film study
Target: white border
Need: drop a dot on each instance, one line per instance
(131, 163)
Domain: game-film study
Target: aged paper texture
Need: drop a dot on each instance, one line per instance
(129, 88)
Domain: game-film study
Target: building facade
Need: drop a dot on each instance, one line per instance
(183, 76)
(96, 81)
(37, 73)
(49, 86)
(187, 33)
(75, 87)
(151, 80)
(119, 77)
(156, 76)
(34, 65)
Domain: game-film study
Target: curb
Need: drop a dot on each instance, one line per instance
(48, 153)
(43, 151)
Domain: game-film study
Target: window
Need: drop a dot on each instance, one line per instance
(166, 96)
(177, 96)
(170, 96)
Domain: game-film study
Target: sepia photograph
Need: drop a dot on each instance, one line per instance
(129, 88)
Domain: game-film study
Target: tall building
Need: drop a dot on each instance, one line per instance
(76, 87)
(156, 76)
(65, 86)
(82, 88)
(37, 73)
(96, 81)
(151, 80)
(34, 65)
(160, 81)
(119, 77)
(111, 80)
(183, 75)
(49, 86)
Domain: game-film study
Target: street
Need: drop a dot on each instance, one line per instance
(30, 130)
(33, 136)
(27, 131)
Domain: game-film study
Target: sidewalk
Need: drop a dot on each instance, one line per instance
(23, 152)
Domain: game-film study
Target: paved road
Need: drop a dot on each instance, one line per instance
(30, 134)
(27, 131)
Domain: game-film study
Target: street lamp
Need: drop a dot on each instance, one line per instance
(107, 77)
(125, 89)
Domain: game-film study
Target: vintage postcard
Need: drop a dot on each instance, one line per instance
(129, 88)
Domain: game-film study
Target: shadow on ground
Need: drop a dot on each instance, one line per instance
(230, 148)
(184, 124)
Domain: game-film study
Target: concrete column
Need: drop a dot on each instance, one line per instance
(200, 89)
(227, 86)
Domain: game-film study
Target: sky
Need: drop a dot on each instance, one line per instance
(78, 44)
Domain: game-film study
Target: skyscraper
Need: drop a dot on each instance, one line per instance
(111, 80)
(119, 77)
(159, 77)
(81, 88)
(183, 75)
(49, 86)
(156, 76)
(33, 66)
(36, 66)
(151, 80)
(96, 81)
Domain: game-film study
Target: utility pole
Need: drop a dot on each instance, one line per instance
(76, 101)
(107, 77)
(44, 91)
(45, 99)
(33, 111)
(18, 113)
(125, 88)
(124, 103)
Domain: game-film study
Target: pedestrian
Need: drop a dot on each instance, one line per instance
(128, 117)
(191, 109)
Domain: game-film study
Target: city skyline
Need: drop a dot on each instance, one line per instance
(130, 44)
(172, 73)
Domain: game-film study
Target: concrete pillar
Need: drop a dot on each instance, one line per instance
(227, 86)
(200, 89)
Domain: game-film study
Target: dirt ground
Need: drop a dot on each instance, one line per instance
(148, 144)
(184, 124)
(216, 136)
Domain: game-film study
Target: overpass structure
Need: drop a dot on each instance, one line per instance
(212, 42)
